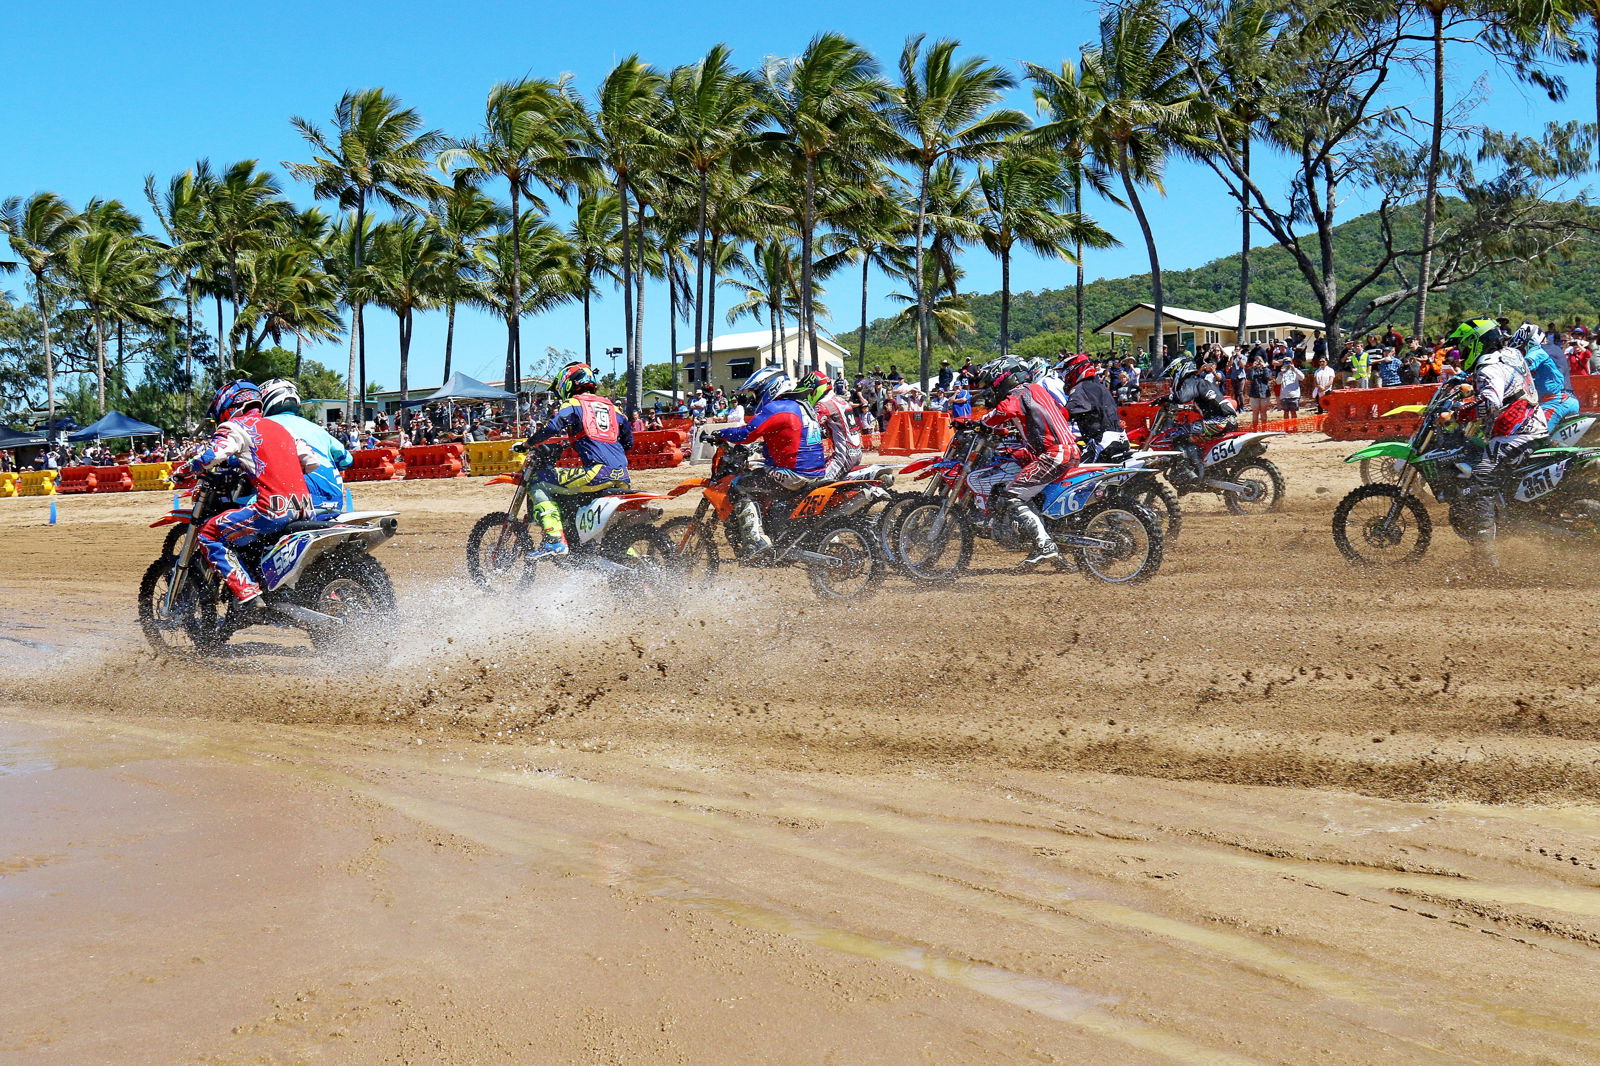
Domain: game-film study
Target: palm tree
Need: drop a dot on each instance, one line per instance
(623, 128)
(286, 291)
(242, 208)
(549, 274)
(942, 110)
(530, 134)
(1142, 107)
(712, 110)
(181, 211)
(1024, 205)
(460, 216)
(770, 287)
(825, 107)
(594, 238)
(870, 226)
(1065, 100)
(38, 229)
(409, 265)
(376, 149)
(117, 277)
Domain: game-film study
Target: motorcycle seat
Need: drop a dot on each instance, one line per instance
(313, 525)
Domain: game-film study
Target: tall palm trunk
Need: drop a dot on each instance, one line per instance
(1077, 205)
(353, 298)
(924, 348)
(627, 270)
(513, 381)
(221, 339)
(49, 357)
(405, 355)
(188, 343)
(808, 324)
(861, 348)
(588, 333)
(636, 366)
(1430, 203)
(1005, 299)
(699, 267)
(299, 353)
(449, 335)
(1157, 361)
(361, 327)
(711, 299)
(1244, 245)
(100, 364)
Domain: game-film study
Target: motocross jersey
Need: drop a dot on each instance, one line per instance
(327, 487)
(1093, 410)
(791, 438)
(1507, 404)
(1549, 373)
(599, 434)
(269, 455)
(834, 414)
(1043, 422)
(1206, 396)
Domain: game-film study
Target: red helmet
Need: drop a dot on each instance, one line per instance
(1076, 369)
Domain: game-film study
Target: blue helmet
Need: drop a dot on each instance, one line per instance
(768, 383)
(233, 399)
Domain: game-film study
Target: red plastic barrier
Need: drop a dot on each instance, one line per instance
(113, 479)
(433, 461)
(374, 464)
(76, 479)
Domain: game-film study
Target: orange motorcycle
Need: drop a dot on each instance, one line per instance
(831, 529)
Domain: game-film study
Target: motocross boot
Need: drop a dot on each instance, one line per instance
(245, 591)
(747, 518)
(555, 537)
(1044, 545)
(1197, 463)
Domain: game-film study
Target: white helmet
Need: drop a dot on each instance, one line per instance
(279, 395)
(1528, 335)
(768, 383)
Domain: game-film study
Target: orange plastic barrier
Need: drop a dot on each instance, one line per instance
(374, 464)
(931, 431)
(113, 479)
(1357, 414)
(898, 435)
(76, 479)
(433, 461)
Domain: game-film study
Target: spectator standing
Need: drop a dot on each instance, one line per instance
(961, 401)
(1259, 385)
(1321, 381)
(1237, 367)
(947, 375)
(1288, 376)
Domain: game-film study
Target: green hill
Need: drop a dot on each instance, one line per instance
(1043, 321)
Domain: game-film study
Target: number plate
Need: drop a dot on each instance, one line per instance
(1540, 482)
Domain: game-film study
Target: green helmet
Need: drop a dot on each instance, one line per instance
(1476, 337)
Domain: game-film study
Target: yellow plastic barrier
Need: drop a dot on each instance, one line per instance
(151, 477)
(489, 457)
(36, 483)
(8, 484)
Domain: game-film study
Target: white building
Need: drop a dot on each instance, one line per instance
(735, 356)
(1187, 330)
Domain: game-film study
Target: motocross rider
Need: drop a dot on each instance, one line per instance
(1091, 406)
(1046, 375)
(791, 444)
(597, 432)
(1506, 407)
(834, 413)
(280, 402)
(1550, 375)
(1217, 413)
(1048, 447)
(275, 464)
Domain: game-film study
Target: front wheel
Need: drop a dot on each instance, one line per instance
(934, 543)
(1155, 496)
(352, 587)
(1378, 525)
(497, 553)
(191, 628)
(1130, 545)
(643, 561)
(1263, 488)
(859, 567)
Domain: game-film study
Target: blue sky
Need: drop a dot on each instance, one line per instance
(104, 92)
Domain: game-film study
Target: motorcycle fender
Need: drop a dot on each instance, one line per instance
(1406, 409)
(1388, 449)
(1240, 447)
(692, 483)
(283, 566)
(593, 517)
(504, 479)
(1569, 431)
(717, 496)
(920, 464)
(185, 517)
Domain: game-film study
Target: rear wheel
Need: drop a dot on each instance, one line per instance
(1155, 496)
(859, 568)
(1263, 488)
(930, 546)
(647, 555)
(352, 587)
(1130, 544)
(695, 560)
(191, 628)
(1378, 525)
(1381, 469)
(497, 553)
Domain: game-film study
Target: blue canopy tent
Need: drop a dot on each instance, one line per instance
(462, 387)
(20, 438)
(115, 424)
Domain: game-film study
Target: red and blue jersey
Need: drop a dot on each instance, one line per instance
(597, 430)
(269, 454)
(790, 436)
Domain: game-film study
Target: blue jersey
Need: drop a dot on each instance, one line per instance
(598, 432)
(327, 487)
(790, 436)
(1549, 372)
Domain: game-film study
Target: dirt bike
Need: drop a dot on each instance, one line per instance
(1549, 488)
(316, 575)
(1234, 464)
(1092, 511)
(1567, 433)
(612, 532)
(829, 529)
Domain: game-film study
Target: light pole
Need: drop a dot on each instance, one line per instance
(613, 353)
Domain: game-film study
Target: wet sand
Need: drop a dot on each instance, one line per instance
(1259, 810)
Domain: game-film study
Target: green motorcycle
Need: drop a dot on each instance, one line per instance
(1550, 489)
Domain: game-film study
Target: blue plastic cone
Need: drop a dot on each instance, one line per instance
(52, 510)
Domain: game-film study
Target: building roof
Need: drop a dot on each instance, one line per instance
(1257, 316)
(759, 339)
